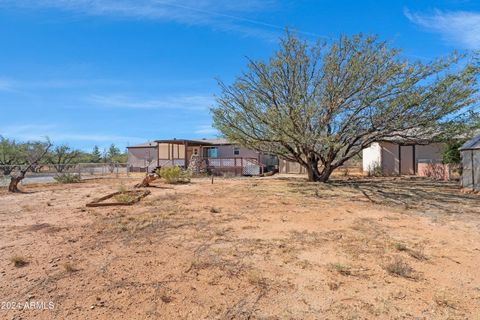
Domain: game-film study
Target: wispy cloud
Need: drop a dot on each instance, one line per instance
(207, 130)
(225, 15)
(457, 27)
(190, 102)
(7, 85)
(30, 132)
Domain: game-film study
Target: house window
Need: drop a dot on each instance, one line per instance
(210, 152)
(236, 151)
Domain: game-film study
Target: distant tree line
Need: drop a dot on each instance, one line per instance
(13, 152)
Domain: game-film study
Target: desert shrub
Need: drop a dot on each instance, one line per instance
(400, 268)
(18, 261)
(375, 170)
(341, 268)
(451, 152)
(124, 196)
(174, 174)
(69, 267)
(68, 178)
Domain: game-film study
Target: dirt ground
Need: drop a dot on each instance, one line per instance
(244, 248)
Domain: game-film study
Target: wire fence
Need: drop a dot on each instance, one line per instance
(44, 173)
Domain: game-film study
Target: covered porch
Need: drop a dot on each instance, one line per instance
(177, 152)
(205, 156)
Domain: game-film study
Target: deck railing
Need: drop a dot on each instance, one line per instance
(236, 165)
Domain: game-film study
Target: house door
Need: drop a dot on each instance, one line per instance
(406, 160)
(191, 151)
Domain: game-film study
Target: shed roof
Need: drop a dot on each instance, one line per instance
(472, 144)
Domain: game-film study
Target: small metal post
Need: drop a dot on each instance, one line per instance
(473, 172)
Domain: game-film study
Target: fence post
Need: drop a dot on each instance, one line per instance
(79, 171)
(116, 166)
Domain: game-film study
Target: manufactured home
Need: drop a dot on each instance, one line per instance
(215, 155)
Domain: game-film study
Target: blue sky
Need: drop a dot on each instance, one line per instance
(88, 72)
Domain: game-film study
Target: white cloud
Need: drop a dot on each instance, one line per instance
(457, 27)
(192, 102)
(225, 15)
(207, 130)
(30, 132)
(7, 85)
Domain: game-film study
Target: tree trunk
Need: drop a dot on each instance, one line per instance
(315, 175)
(14, 181)
(312, 170)
(147, 180)
(324, 176)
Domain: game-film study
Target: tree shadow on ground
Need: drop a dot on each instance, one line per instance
(426, 196)
(439, 196)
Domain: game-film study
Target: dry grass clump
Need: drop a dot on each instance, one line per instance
(412, 253)
(68, 178)
(166, 298)
(255, 278)
(445, 300)
(18, 261)
(215, 210)
(400, 268)
(124, 196)
(417, 255)
(333, 286)
(69, 267)
(400, 246)
(343, 269)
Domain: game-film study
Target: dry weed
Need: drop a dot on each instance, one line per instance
(18, 261)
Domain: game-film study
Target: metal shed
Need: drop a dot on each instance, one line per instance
(471, 163)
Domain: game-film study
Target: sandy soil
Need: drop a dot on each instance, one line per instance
(274, 248)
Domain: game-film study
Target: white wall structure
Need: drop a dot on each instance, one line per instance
(372, 158)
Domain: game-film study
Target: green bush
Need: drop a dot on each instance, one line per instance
(68, 178)
(375, 170)
(450, 153)
(174, 175)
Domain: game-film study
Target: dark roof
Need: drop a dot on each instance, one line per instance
(212, 142)
(472, 144)
(413, 136)
(148, 144)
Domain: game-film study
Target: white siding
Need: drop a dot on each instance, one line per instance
(372, 157)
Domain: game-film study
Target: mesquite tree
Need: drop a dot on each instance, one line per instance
(11, 153)
(34, 153)
(321, 104)
(62, 157)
